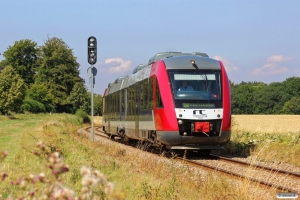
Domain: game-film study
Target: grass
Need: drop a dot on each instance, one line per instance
(135, 175)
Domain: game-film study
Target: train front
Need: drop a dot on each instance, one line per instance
(201, 97)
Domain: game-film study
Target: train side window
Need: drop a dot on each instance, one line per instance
(159, 103)
(106, 104)
(146, 90)
(144, 94)
(133, 101)
(118, 105)
(113, 105)
(150, 102)
(130, 102)
(141, 95)
(123, 101)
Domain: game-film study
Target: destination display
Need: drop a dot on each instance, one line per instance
(198, 105)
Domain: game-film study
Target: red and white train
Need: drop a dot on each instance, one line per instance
(176, 101)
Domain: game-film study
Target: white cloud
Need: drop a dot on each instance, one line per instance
(278, 58)
(119, 65)
(269, 69)
(272, 66)
(228, 65)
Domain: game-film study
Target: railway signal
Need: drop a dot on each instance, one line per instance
(92, 50)
(92, 71)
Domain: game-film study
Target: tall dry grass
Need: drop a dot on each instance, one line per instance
(267, 123)
(277, 135)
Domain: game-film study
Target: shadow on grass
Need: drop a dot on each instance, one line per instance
(238, 149)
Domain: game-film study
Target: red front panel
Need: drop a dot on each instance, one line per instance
(165, 118)
(226, 123)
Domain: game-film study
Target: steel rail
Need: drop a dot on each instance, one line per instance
(257, 166)
(272, 185)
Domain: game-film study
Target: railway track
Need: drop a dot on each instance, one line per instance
(250, 172)
(281, 180)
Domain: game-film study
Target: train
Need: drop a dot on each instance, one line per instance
(152, 104)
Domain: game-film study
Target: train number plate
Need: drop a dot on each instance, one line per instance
(200, 116)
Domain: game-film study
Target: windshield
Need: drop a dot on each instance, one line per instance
(196, 88)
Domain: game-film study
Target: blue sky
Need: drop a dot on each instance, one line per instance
(257, 40)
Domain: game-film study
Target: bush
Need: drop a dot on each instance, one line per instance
(83, 115)
(33, 106)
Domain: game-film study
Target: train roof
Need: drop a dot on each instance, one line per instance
(162, 55)
(177, 62)
(172, 60)
(139, 67)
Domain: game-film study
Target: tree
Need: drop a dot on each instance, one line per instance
(40, 94)
(292, 86)
(98, 104)
(292, 106)
(12, 90)
(1, 65)
(22, 56)
(59, 72)
(79, 98)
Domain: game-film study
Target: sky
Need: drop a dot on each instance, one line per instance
(257, 40)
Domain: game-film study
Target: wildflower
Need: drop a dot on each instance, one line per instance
(3, 154)
(36, 153)
(41, 145)
(22, 183)
(3, 175)
(40, 177)
(54, 158)
(109, 188)
(85, 170)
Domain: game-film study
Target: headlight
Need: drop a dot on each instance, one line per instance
(180, 122)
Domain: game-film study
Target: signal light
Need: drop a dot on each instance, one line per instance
(92, 50)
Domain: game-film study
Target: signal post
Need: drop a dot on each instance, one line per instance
(92, 72)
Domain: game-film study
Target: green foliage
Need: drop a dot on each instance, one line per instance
(39, 93)
(98, 104)
(59, 72)
(83, 115)
(260, 98)
(79, 98)
(12, 90)
(292, 106)
(23, 56)
(33, 106)
(2, 65)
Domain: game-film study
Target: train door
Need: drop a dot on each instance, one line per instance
(136, 110)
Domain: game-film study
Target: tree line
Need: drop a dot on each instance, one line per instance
(39, 79)
(261, 98)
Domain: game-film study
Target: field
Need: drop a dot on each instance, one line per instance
(134, 174)
(267, 123)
